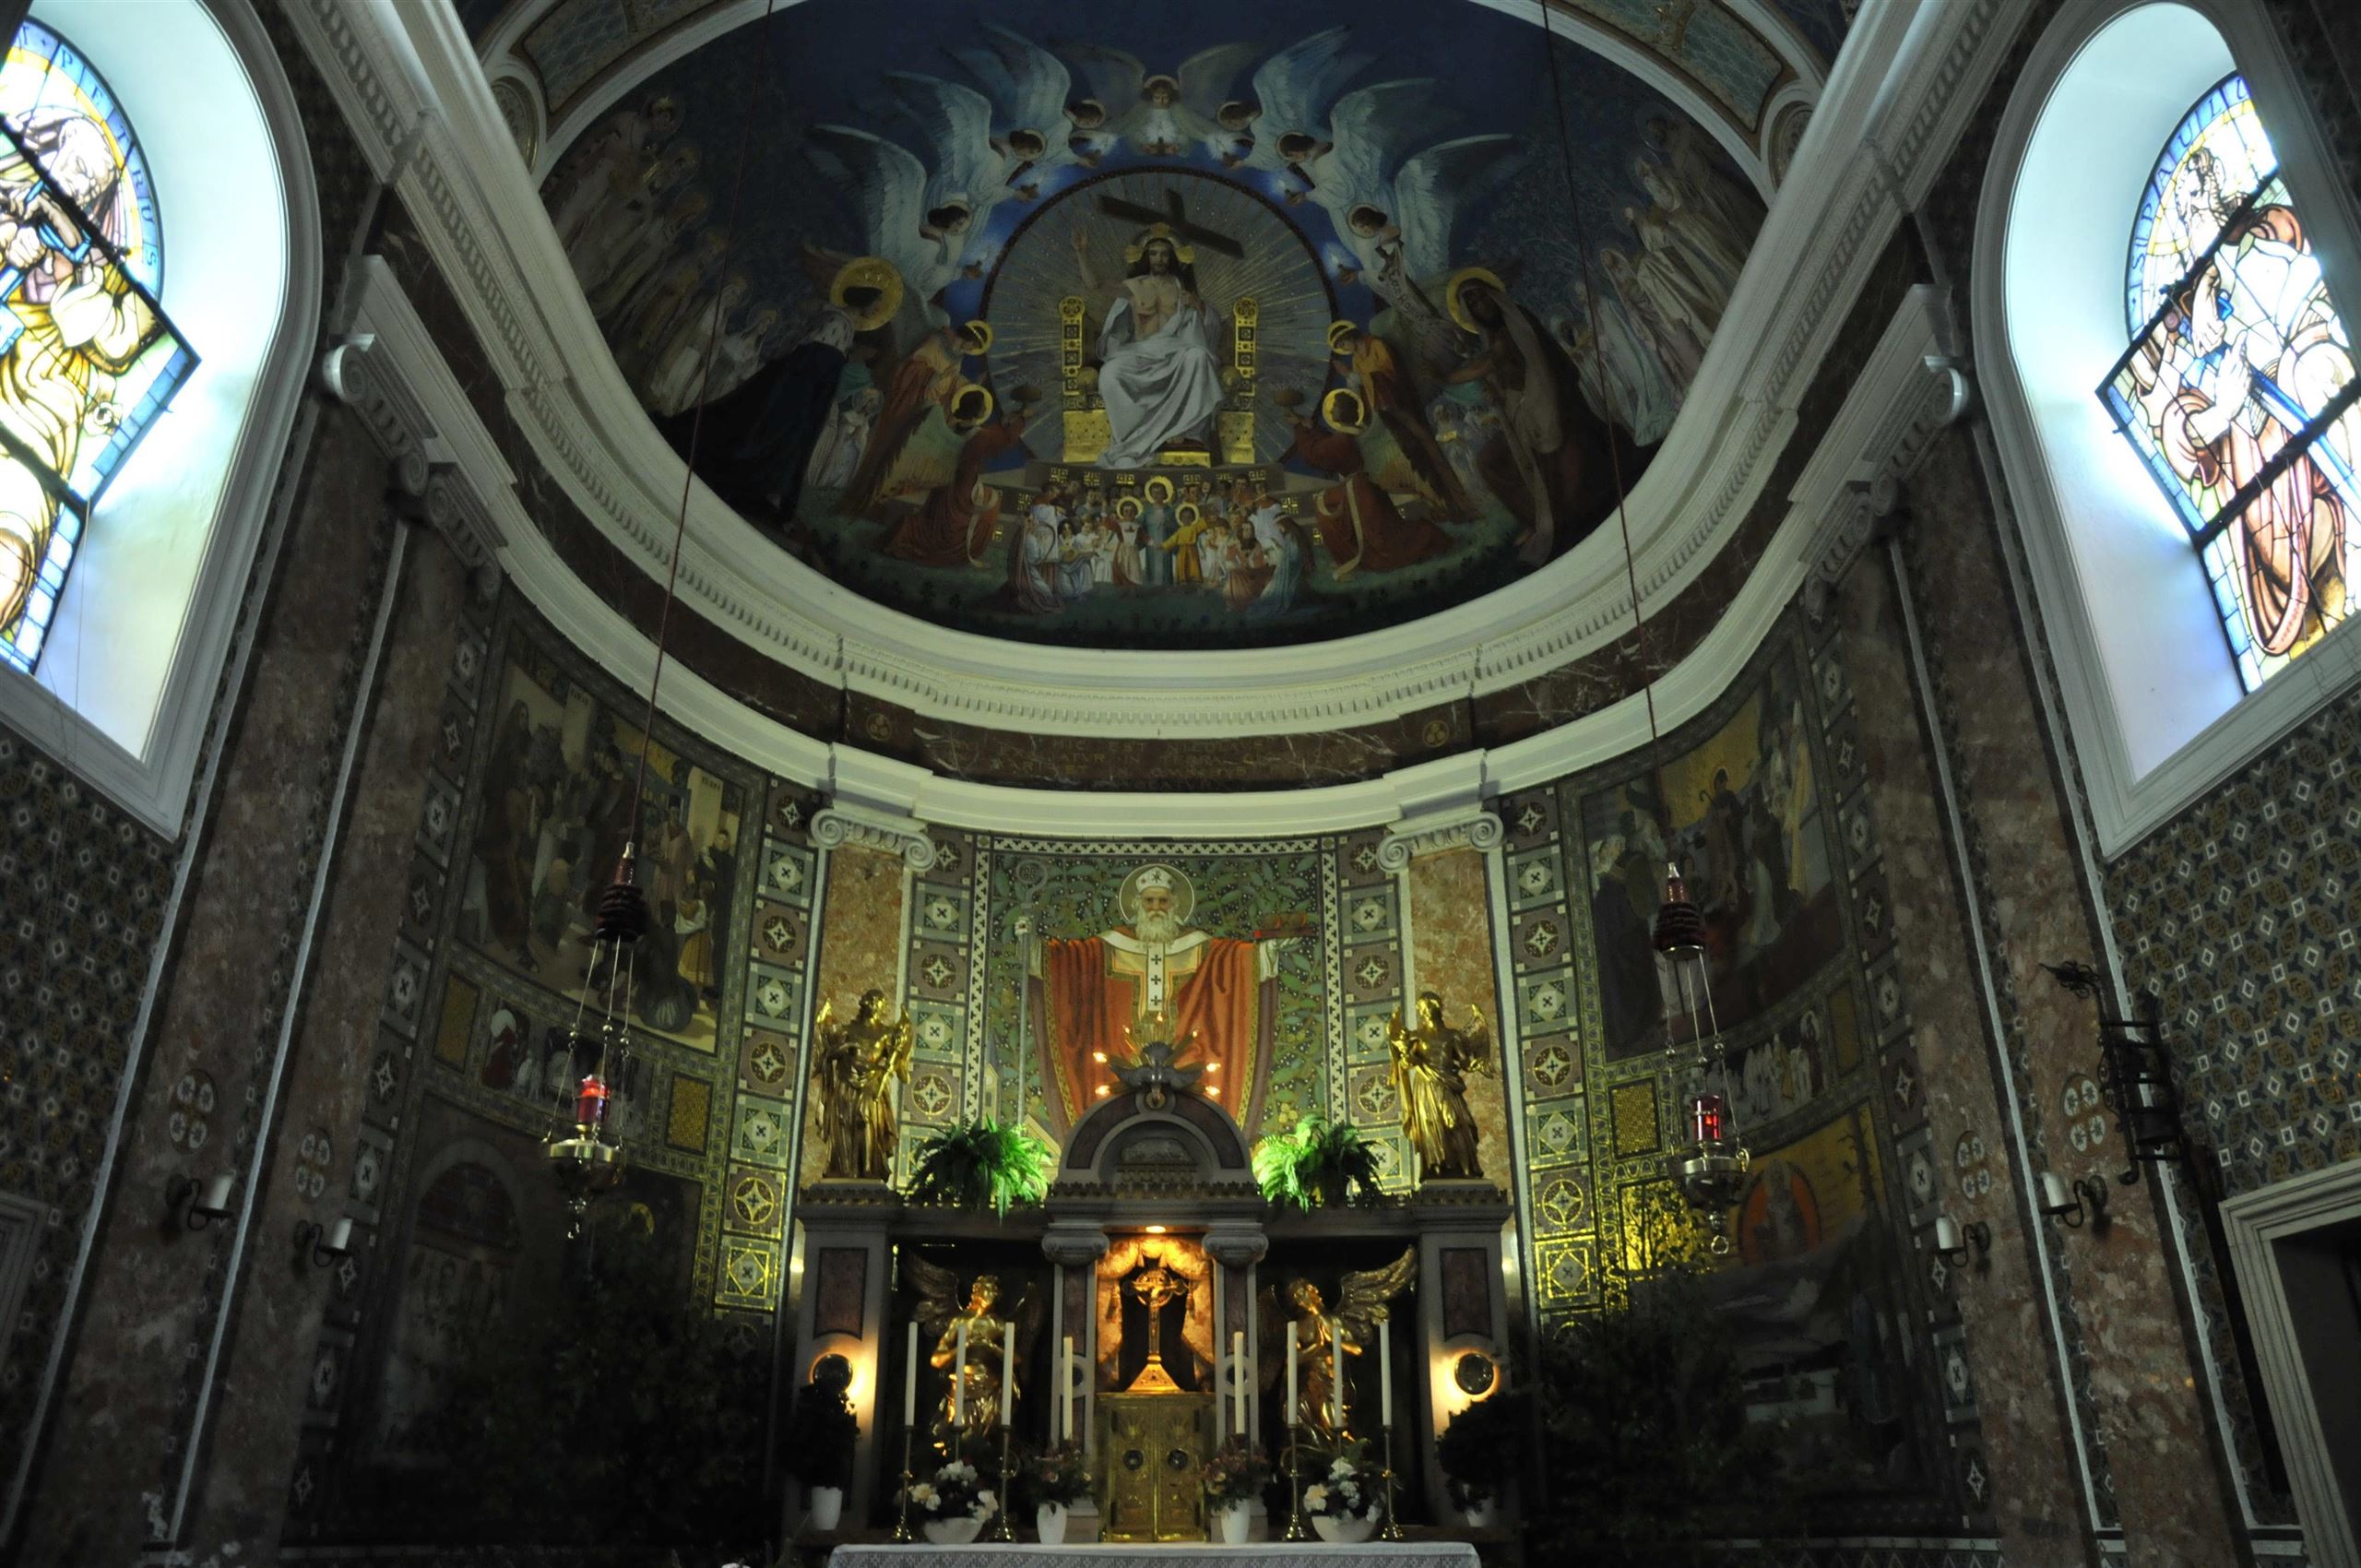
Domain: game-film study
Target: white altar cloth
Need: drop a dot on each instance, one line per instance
(1163, 1554)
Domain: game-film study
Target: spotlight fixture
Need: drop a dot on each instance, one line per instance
(2088, 1200)
(184, 1203)
(325, 1247)
(1952, 1239)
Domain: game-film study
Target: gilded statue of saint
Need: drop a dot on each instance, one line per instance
(1320, 1332)
(860, 1063)
(972, 1394)
(1430, 1067)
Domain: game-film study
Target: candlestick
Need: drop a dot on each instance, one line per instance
(1393, 1530)
(1007, 1528)
(910, 1381)
(1238, 1371)
(1385, 1375)
(902, 1523)
(1296, 1530)
(959, 1384)
(1291, 1410)
(1336, 1374)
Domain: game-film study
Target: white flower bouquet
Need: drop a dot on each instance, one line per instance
(952, 1492)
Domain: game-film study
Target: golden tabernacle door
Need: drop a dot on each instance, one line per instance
(1152, 1451)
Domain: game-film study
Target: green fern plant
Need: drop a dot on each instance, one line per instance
(983, 1165)
(1319, 1165)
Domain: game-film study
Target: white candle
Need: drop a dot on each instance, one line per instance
(959, 1379)
(2053, 1192)
(1238, 1375)
(1946, 1233)
(1291, 1412)
(216, 1195)
(1066, 1386)
(340, 1236)
(910, 1381)
(1007, 1373)
(1336, 1371)
(1384, 1372)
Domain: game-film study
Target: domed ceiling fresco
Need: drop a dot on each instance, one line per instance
(1158, 326)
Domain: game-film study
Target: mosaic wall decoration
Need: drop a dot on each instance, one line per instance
(1264, 982)
(458, 1219)
(1777, 837)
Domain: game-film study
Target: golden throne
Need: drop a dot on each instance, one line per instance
(1087, 432)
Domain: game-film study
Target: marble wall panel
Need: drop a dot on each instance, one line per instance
(862, 916)
(1451, 943)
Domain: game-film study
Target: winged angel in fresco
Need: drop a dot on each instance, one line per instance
(940, 1315)
(1363, 1300)
(1161, 114)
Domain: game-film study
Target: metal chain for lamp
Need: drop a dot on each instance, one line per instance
(588, 1160)
(1711, 1173)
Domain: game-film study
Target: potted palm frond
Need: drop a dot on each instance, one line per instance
(1319, 1165)
(822, 1431)
(981, 1165)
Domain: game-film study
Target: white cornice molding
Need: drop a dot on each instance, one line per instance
(486, 231)
(847, 824)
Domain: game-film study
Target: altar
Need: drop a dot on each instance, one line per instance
(1013, 1554)
(1153, 1325)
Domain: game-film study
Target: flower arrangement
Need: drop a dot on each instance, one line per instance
(1235, 1474)
(1480, 1449)
(1351, 1489)
(1058, 1474)
(954, 1493)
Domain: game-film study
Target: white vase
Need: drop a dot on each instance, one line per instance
(953, 1532)
(1235, 1519)
(1049, 1522)
(1480, 1513)
(827, 1506)
(1349, 1529)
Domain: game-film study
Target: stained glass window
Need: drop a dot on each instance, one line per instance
(88, 358)
(2237, 390)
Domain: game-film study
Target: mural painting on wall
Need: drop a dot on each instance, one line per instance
(1744, 815)
(557, 812)
(1813, 1294)
(1225, 947)
(1181, 335)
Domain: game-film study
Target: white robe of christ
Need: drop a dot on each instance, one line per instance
(1159, 389)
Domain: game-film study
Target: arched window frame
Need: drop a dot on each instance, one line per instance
(2152, 696)
(140, 742)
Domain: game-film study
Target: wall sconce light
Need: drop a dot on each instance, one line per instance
(184, 1202)
(1952, 1239)
(2089, 1198)
(2135, 1067)
(326, 1247)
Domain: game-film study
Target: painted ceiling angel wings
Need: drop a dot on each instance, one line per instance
(1296, 90)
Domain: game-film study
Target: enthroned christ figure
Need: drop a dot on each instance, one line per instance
(1157, 372)
(1092, 990)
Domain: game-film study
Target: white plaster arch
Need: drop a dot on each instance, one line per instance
(126, 679)
(2152, 701)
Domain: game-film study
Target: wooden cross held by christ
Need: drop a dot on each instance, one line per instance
(1176, 215)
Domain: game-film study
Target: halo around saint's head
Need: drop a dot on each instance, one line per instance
(873, 272)
(1343, 412)
(1186, 513)
(1184, 892)
(1185, 254)
(1159, 490)
(1459, 280)
(1341, 333)
(972, 400)
(1130, 502)
(978, 334)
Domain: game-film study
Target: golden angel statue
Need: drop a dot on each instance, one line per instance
(862, 1061)
(1430, 1067)
(972, 1394)
(1362, 1301)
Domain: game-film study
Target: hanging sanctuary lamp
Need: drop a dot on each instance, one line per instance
(1710, 1170)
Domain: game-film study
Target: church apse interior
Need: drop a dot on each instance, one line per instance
(800, 784)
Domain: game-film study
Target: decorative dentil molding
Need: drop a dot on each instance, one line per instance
(836, 826)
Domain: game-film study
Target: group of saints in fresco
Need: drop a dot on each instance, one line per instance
(878, 416)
